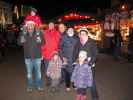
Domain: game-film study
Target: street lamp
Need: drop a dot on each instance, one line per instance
(124, 7)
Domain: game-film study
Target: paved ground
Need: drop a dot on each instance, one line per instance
(114, 80)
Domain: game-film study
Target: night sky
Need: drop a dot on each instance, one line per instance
(52, 8)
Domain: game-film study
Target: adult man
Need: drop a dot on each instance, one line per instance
(32, 40)
(62, 29)
(89, 46)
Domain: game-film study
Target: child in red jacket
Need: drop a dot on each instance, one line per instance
(33, 17)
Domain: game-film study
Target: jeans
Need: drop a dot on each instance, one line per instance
(67, 78)
(46, 63)
(36, 65)
(62, 74)
(116, 52)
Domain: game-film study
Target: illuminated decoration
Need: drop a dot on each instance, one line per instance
(3, 20)
(131, 22)
(66, 17)
(59, 20)
(16, 11)
(77, 21)
(94, 29)
(74, 16)
(86, 16)
(124, 7)
(71, 15)
(5, 13)
(124, 28)
(22, 12)
(124, 25)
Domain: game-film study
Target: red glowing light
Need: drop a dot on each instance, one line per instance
(86, 16)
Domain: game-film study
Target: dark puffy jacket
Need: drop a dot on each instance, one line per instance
(90, 47)
(32, 43)
(67, 47)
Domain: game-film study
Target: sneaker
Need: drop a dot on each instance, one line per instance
(68, 89)
(40, 89)
(29, 90)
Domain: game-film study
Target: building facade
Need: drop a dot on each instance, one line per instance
(5, 13)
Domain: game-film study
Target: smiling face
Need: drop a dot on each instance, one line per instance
(61, 28)
(83, 36)
(55, 57)
(30, 26)
(82, 56)
(32, 13)
(70, 32)
(51, 26)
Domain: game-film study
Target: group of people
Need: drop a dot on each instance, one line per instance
(116, 36)
(67, 56)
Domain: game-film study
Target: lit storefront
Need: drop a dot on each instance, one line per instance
(124, 28)
(124, 24)
(5, 13)
(77, 21)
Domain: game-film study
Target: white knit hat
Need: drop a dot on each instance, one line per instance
(84, 29)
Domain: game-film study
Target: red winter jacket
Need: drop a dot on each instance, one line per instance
(35, 19)
(51, 45)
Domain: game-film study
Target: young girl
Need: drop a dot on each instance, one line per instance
(82, 76)
(54, 71)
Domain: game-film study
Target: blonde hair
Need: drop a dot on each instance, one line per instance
(84, 54)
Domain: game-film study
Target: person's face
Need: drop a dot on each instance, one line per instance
(82, 56)
(55, 57)
(62, 28)
(30, 26)
(83, 35)
(32, 13)
(51, 26)
(70, 32)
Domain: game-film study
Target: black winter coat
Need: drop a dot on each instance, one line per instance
(67, 47)
(90, 47)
